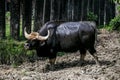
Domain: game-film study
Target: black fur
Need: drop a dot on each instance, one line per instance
(65, 37)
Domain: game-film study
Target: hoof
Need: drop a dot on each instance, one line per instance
(50, 67)
(82, 62)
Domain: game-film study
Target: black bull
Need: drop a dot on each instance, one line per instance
(64, 37)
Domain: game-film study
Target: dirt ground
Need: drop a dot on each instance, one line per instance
(68, 67)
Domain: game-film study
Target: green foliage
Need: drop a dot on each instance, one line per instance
(118, 8)
(60, 53)
(13, 52)
(91, 16)
(7, 15)
(115, 23)
(115, 1)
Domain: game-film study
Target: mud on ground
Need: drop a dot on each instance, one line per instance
(68, 68)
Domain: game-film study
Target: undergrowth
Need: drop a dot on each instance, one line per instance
(12, 52)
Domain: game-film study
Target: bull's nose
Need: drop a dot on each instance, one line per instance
(26, 46)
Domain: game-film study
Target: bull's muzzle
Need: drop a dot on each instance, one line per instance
(26, 46)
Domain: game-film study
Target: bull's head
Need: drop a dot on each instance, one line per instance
(34, 39)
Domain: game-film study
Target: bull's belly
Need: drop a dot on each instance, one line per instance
(69, 43)
(69, 47)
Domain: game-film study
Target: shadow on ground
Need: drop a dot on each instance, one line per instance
(76, 63)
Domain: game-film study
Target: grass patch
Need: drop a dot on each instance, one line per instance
(60, 53)
(13, 52)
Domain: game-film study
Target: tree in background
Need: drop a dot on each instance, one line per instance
(38, 14)
(26, 15)
(46, 11)
(15, 19)
(2, 19)
(115, 22)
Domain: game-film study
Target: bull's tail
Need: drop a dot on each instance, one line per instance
(93, 24)
(96, 40)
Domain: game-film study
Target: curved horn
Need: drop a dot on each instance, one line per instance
(44, 37)
(26, 34)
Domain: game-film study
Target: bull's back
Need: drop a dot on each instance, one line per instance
(73, 35)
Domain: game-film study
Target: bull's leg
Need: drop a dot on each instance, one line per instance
(50, 66)
(52, 61)
(94, 54)
(82, 56)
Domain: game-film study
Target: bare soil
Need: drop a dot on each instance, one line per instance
(67, 67)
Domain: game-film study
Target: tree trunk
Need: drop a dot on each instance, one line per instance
(46, 11)
(27, 15)
(91, 5)
(2, 19)
(15, 19)
(59, 9)
(69, 10)
(73, 10)
(105, 15)
(38, 14)
(78, 10)
(117, 12)
(63, 10)
(101, 14)
(112, 10)
(52, 10)
(85, 3)
(82, 9)
(97, 10)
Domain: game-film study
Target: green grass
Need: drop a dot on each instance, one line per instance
(13, 52)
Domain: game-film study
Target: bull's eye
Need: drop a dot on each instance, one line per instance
(42, 43)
